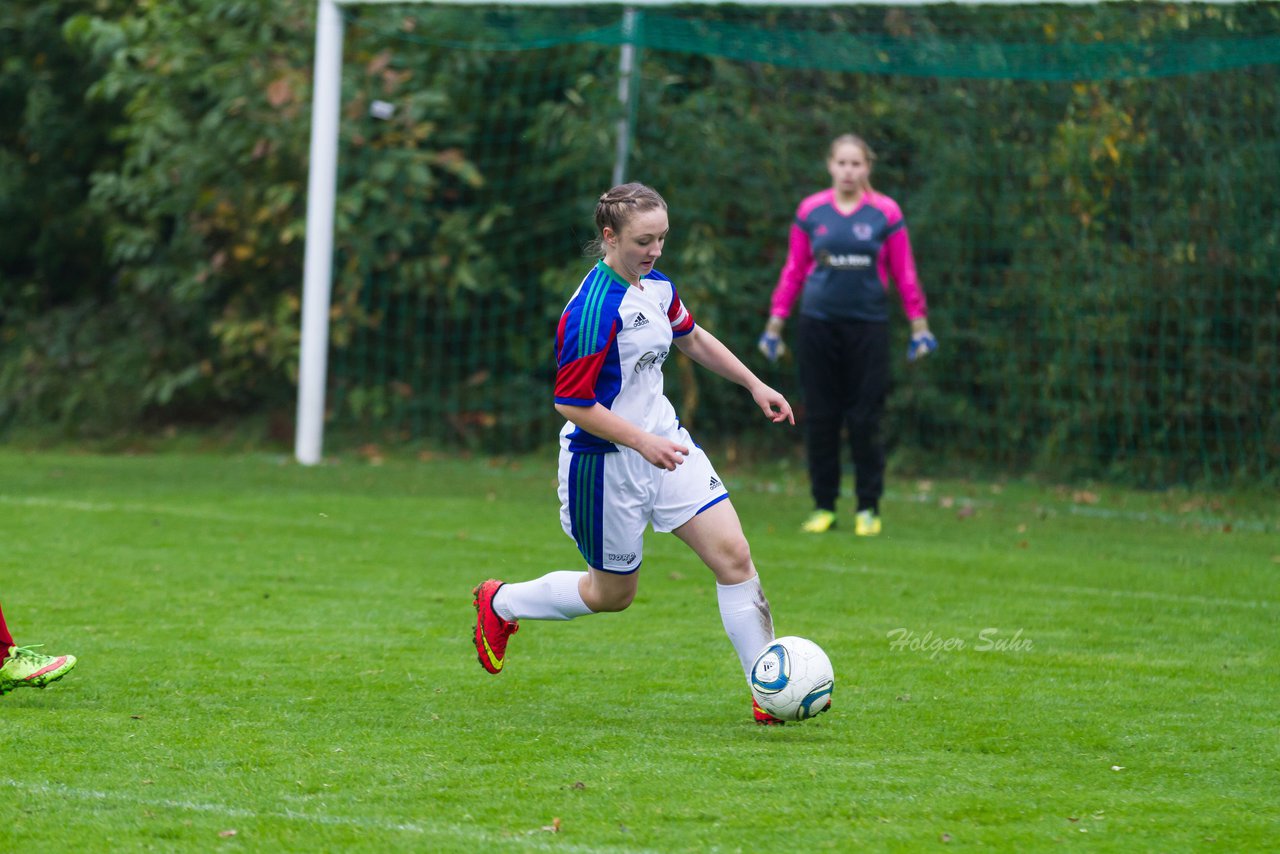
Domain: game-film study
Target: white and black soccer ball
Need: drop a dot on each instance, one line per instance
(792, 679)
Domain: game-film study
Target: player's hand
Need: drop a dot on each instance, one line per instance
(771, 343)
(773, 404)
(771, 346)
(922, 341)
(663, 453)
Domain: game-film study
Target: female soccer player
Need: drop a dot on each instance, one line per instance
(625, 461)
(20, 667)
(846, 242)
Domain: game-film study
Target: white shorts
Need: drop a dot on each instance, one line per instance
(607, 499)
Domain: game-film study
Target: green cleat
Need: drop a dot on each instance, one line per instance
(819, 522)
(866, 524)
(26, 669)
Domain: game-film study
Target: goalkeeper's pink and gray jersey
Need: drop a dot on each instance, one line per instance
(839, 264)
(610, 346)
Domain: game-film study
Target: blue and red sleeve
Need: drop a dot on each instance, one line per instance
(585, 339)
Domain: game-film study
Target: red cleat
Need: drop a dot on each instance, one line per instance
(764, 718)
(491, 630)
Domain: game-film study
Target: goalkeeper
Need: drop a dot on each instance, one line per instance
(846, 244)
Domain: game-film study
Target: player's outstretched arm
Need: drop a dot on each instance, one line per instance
(707, 350)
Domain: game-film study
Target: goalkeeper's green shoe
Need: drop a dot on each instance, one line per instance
(27, 669)
(866, 523)
(819, 522)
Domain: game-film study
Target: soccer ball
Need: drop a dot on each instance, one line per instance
(792, 679)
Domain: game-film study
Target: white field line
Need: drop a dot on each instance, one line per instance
(536, 839)
(1176, 521)
(1186, 520)
(1190, 520)
(321, 521)
(1066, 589)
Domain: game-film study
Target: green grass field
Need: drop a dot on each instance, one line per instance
(279, 658)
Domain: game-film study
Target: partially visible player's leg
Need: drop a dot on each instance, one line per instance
(6, 639)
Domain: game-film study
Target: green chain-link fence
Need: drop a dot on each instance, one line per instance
(1092, 193)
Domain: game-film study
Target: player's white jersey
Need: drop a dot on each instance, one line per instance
(612, 341)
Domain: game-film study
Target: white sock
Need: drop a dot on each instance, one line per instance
(554, 596)
(747, 619)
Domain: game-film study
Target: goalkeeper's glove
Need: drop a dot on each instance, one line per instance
(770, 343)
(922, 341)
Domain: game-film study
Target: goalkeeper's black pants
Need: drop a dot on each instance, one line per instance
(844, 371)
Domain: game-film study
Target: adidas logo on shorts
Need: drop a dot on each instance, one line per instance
(640, 320)
(715, 483)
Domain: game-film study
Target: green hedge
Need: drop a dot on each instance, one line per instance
(1091, 193)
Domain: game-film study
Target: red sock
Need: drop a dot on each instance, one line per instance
(6, 639)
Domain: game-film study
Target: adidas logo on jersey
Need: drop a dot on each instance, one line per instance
(640, 320)
(715, 483)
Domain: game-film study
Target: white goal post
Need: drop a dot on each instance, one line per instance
(317, 276)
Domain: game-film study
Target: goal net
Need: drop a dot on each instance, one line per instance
(1091, 193)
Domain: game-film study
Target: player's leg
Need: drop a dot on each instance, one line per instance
(693, 503)
(821, 369)
(869, 388)
(715, 535)
(500, 607)
(608, 531)
(561, 595)
(6, 639)
(609, 591)
(564, 595)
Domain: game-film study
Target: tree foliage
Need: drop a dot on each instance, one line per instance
(54, 278)
(189, 175)
(1096, 229)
